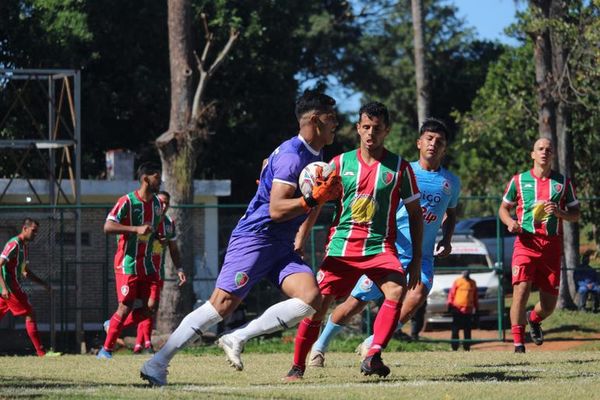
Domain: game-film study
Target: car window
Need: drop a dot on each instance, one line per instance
(487, 229)
(456, 263)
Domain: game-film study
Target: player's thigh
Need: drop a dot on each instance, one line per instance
(127, 288)
(18, 304)
(303, 286)
(337, 276)
(247, 261)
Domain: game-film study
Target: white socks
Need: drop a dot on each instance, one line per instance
(188, 331)
(283, 315)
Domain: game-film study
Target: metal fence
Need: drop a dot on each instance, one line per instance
(52, 257)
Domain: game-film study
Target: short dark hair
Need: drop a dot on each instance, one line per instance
(28, 221)
(164, 193)
(313, 100)
(375, 109)
(436, 126)
(147, 168)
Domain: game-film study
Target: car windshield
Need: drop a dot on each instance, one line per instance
(456, 263)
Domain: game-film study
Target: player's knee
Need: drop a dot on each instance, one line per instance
(313, 298)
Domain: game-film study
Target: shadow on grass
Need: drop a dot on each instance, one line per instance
(570, 328)
(500, 376)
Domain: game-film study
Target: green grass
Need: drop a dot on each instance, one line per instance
(415, 375)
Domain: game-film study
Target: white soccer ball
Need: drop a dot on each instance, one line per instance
(307, 178)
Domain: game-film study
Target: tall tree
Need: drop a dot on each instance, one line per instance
(421, 77)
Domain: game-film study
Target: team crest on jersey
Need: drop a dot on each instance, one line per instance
(446, 188)
(320, 276)
(241, 278)
(516, 269)
(366, 285)
(558, 187)
(124, 290)
(387, 177)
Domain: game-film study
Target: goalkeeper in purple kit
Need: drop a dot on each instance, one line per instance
(266, 244)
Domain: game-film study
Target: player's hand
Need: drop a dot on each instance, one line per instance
(326, 189)
(551, 208)
(300, 252)
(4, 293)
(414, 273)
(182, 278)
(514, 227)
(443, 249)
(143, 229)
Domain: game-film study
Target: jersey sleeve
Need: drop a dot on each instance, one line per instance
(286, 168)
(570, 196)
(409, 191)
(510, 193)
(455, 193)
(10, 251)
(120, 211)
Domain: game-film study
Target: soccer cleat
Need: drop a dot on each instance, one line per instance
(104, 354)
(137, 349)
(51, 353)
(520, 349)
(154, 372)
(295, 374)
(233, 348)
(362, 349)
(535, 330)
(374, 365)
(317, 359)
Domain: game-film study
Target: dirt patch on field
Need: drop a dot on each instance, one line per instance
(550, 343)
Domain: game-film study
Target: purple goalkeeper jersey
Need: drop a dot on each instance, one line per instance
(284, 166)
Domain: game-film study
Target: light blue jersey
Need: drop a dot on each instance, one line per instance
(439, 191)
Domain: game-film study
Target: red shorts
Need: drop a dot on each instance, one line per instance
(338, 275)
(131, 287)
(537, 259)
(17, 303)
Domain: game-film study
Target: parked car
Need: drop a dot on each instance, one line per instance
(467, 253)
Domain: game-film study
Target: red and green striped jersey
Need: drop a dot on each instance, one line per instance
(528, 193)
(134, 252)
(15, 255)
(166, 231)
(365, 218)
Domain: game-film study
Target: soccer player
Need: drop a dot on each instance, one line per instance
(439, 196)
(264, 244)
(14, 262)
(134, 219)
(363, 234)
(543, 199)
(165, 238)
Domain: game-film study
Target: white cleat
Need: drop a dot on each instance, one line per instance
(317, 359)
(154, 372)
(233, 348)
(362, 349)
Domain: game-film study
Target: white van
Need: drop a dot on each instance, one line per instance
(470, 254)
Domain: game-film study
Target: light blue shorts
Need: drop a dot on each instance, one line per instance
(366, 290)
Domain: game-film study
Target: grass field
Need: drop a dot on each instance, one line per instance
(415, 375)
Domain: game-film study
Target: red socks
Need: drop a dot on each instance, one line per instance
(114, 331)
(385, 325)
(518, 332)
(144, 333)
(308, 332)
(533, 317)
(32, 331)
(135, 317)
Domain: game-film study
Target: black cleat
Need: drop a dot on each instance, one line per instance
(535, 330)
(520, 349)
(374, 365)
(295, 374)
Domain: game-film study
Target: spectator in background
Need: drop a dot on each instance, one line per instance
(462, 303)
(587, 283)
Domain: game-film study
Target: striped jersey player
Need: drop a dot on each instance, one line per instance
(543, 198)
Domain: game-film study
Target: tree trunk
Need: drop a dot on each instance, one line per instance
(565, 151)
(421, 76)
(179, 163)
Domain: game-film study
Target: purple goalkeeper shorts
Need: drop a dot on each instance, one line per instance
(250, 258)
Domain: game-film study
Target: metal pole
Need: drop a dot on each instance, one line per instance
(79, 273)
(51, 198)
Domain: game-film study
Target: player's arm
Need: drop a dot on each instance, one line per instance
(3, 288)
(305, 229)
(571, 214)
(415, 220)
(113, 227)
(283, 206)
(507, 219)
(27, 273)
(176, 258)
(444, 246)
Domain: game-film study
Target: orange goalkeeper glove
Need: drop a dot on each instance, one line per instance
(324, 190)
